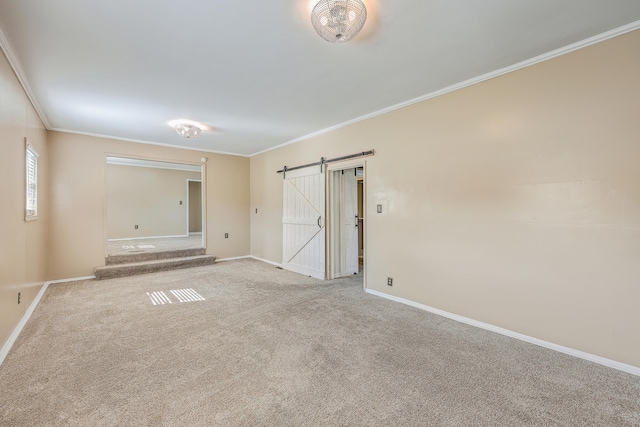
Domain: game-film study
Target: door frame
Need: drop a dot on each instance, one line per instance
(330, 256)
(189, 205)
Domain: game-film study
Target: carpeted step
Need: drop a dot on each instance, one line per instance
(152, 266)
(150, 256)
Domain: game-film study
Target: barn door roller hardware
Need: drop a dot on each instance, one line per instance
(324, 161)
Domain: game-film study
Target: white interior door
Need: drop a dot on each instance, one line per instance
(303, 222)
(349, 221)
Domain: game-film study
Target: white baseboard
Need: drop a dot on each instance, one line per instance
(249, 257)
(266, 260)
(570, 351)
(232, 258)
(75, 279)
(16, 332)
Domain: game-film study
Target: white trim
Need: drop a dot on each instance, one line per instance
(335, 267)
(203, 189)
(493, 74)
(232, 258)
(75, 279)
(143, 238)
(140, 141)
(152, 159)
(27, 315)
(265, 260)
(347, 164)
(17, 69)
(634, 370)
(141, 163)
(250, 257)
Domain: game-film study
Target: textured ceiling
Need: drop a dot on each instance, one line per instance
(256, 71)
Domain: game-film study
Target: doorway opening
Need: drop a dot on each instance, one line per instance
(194, 207)
(346, 221)
(361, 219)
(149, 208)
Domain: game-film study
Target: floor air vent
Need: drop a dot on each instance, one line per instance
(182, 295)
(187, 295)
(159, 298)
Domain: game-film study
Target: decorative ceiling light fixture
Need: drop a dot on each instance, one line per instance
(187, 128)
(338, 21)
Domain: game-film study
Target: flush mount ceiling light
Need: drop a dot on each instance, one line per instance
(187, 128)
(338, 21)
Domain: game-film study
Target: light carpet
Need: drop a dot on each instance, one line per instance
(272, 348)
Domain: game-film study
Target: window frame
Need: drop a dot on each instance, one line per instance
(31, 182)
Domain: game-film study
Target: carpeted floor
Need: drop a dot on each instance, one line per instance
(271, 348)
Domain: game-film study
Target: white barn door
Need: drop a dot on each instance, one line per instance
(303, 222)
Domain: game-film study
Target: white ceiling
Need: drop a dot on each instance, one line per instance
(257, 72)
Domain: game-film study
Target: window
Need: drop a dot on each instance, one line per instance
(32, 183)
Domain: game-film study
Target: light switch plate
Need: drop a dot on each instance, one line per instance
(379, 208)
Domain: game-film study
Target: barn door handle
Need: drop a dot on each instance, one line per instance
(356, 221)
(319, 218)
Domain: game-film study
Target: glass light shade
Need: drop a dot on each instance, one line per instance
(338, 21)
(187, 130)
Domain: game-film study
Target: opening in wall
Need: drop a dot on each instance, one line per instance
(150, 208)
(346, 220)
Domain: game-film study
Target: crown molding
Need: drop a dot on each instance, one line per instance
(15, 65)
(493, 74)
(17, 69)
(153, 164)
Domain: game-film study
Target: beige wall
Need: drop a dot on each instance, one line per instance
(22, 244)
(78, 235)
(514, 202)
(149, 198)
